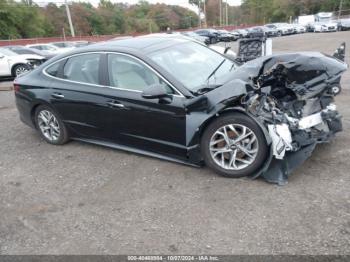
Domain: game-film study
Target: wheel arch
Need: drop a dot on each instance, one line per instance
(14, 66)
(231, 110)
(34, 107)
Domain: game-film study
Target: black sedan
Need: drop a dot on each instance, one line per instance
(212, 34)
(178, 100)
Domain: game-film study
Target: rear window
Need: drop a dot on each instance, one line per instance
(83, 68)
(53, 70)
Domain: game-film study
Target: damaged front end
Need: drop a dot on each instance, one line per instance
(293, 97)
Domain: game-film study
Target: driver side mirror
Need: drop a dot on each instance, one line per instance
(155, 91)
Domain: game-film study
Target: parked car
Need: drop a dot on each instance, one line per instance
(12, 64)
(243, 33)
(82, 43)
(325, 27)
(256, 32)
(202, 39)
(51, 49)
(236, 35)
(310, 27)
(269, 32)
(282, 28)
(22, 50)
(212, 34)
(299, 29)
(344, 24)
(178, 100)
(226, 36)
(65, 45)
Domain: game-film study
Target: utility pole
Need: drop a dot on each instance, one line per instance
(199, 14)
(220, 8)
(226, 13)
(205, 14)
(69, 19)
(340, 8)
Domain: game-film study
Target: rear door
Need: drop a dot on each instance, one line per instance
(79, 96)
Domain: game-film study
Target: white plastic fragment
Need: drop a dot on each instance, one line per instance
(281, 139)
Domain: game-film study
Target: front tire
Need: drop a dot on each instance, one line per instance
(50, 126)
(19, 69)
(234, 146)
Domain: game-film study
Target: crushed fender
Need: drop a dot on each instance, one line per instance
(291, 97)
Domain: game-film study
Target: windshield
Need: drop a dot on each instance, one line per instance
(48, 47)
(7, 52)
(324, 19)
(194, 65)
(63, 44)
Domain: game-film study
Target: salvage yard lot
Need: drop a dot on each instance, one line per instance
(86, 199)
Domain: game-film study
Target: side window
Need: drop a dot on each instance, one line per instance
(128, 73)
(82, 68)
(53, 70)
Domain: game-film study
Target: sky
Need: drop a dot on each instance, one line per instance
(183, 3)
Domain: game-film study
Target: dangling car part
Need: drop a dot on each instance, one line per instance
(176, 99)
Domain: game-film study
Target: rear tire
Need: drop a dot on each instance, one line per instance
(247, 149)
(50, 126)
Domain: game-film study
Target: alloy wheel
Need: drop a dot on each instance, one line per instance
(20, 70)
(234, 147)
(49, 125)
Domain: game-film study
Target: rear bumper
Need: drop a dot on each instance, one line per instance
(24, 109)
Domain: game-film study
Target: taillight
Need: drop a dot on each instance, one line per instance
(16, 87)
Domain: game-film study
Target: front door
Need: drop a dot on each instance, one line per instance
(157, 125)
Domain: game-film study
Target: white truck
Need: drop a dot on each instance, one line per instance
(324, 23)
(306, 20)
(324, 17)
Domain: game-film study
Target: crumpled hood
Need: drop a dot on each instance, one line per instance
(304, 71)
(24, 56)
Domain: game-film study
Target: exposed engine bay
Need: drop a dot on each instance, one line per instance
(291, 96)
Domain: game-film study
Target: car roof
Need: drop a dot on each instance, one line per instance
(138, 46)
(143, 44)
(40, 44)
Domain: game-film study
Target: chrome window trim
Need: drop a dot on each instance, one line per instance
(179, 94)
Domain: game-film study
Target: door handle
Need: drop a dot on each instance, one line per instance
(57, 95)
(115, 104)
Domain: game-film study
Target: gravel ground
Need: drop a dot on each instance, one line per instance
(86, 199)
